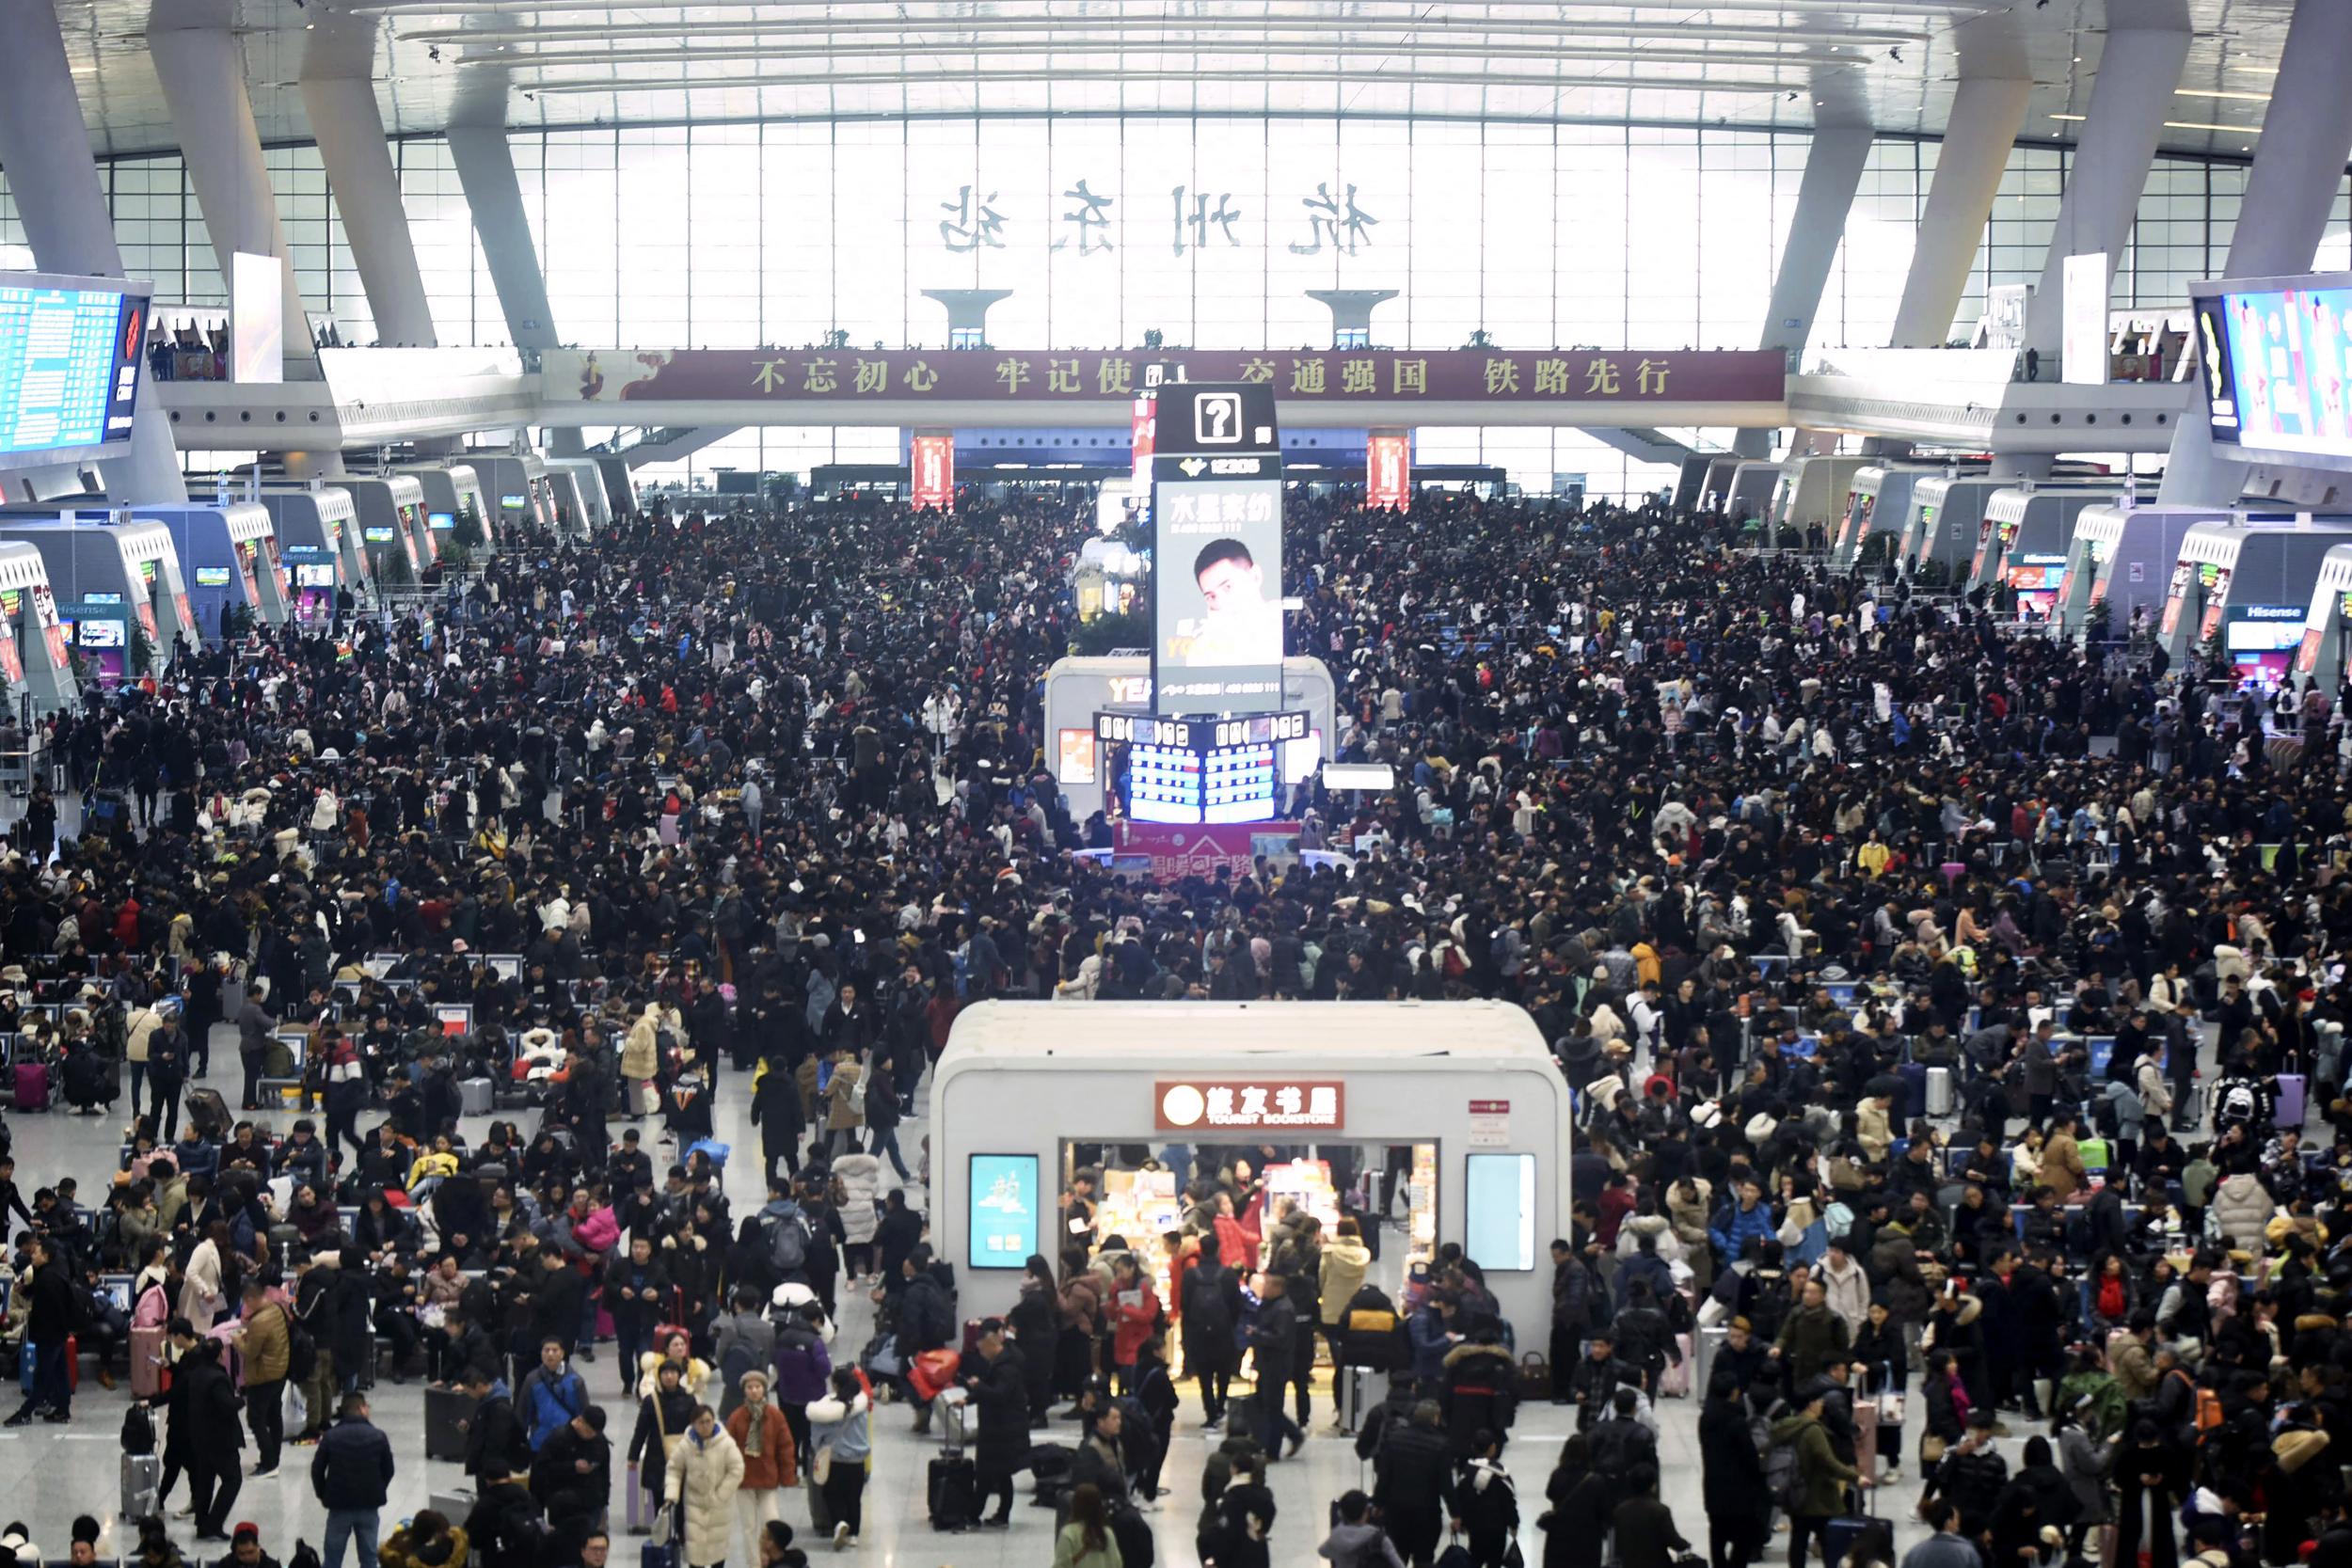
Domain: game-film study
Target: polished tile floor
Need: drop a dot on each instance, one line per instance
(48, 1475)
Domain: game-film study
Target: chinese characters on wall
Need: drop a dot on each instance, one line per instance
(1326, 223)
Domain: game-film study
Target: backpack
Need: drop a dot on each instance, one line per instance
(1769, 1308)
(2238, 1104)
(302, 1353)
(788, 1243)
(138, 1430)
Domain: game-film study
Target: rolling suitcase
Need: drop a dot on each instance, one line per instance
(147, 1363)
(473, 1097)
(1709, 1342)
(453, 1506)
(32, 1087)
(953, 1491)
(1939, 1091)
(142, 1484)
(210, 1113)
(1675, 1382)
(1866, 1436)
(635, 1503)
(444, 1436)
(1241, 1415)
(1914, 1079)
(2292, 1100)
(1838, 1538)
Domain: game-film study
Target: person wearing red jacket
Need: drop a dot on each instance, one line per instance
(1135, 1317)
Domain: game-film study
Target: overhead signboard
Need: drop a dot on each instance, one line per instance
(1238, 1105)
(1338, 377)
(71, 356)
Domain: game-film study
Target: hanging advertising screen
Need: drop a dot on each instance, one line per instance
(1216, 526)
(2275, 354)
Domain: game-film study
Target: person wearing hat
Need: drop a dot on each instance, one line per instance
(572, 1479)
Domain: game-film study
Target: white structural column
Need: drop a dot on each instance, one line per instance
(2129, 98)
(203, 73)
(486, 167)
(1986, 112)
(1833, 172)
(45, 146)
(350, 132)
(2306, 135)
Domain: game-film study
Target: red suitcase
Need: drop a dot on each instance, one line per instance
(32, 1087)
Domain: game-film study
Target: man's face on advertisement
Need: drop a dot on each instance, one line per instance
(1231, 585)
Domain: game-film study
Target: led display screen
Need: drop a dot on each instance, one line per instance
(1004, 1212)
(70, 361)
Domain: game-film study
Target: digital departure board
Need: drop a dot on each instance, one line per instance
(70, 351)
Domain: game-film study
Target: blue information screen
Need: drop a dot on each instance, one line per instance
(68, 367)
(1004, 1211)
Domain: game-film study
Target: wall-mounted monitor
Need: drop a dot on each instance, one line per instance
(379, 533)
(440, 522)
(1004, 1214)
(1498, 1212)
(212, 577)
(2273, 357)
(72, 350)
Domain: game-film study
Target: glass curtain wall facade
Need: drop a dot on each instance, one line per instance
(1207, 229)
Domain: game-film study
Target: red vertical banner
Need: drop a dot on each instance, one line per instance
(933, 460)
(1388, 472)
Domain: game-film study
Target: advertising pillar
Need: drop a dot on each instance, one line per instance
(1387, 469)
(931, 459)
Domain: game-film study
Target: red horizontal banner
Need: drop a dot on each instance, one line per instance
(837, 376)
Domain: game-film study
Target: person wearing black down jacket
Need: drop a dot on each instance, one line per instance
(351, 1471)
(1413, 1483)
(1477, 1393)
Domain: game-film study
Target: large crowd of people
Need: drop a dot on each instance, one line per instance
(1820, 889)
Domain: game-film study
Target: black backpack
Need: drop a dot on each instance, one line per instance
(302, 1353)
(138, 1430)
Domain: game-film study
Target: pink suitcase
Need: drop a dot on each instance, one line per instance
(1675, 1382)
(32, 1087)
(147, 1369)
(2291, 1106)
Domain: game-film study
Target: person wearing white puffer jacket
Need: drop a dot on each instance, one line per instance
(860, 1176)
(705, 1470)
(2241, 1211)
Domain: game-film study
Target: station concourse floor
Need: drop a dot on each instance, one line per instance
(50, 1474)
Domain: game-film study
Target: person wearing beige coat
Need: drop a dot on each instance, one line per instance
(706, 1471)
(640, 1058)
(2062, 1168)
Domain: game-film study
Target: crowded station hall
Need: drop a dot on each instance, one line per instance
(1298, 793)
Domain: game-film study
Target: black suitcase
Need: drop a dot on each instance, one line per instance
(1241, 1416)
(210, 1115)
(953, 1493)
(444, 1408)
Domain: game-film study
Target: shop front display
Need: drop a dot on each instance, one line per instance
(1454, 1116)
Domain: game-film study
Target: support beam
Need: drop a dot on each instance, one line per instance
(2129, 98)
(1986, 112)
(1833, 172)
(2307, 136)
(202, 74)
(350, 132)
(44, 145)
(486, 167)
